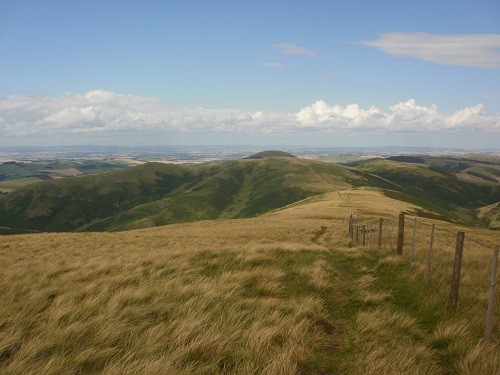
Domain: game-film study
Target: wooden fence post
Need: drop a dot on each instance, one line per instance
(489, 316)
(380, 223)
(401, 233)
(364, 235)
(429, 260)
(414, 242)
(457, 265)
(350, 225)
(392, 234)
(357, 234)
(386, 231)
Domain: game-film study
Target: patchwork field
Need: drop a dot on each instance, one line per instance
(284, 293)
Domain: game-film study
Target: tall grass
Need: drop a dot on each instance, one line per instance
(284, 293)
(235, 297)
(404, 325)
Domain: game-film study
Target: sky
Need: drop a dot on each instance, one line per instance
(310, 73)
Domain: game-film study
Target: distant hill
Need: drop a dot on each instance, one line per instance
(269, 154)
(407, 159)
(440, 188)
(17, 174)
(156, 194)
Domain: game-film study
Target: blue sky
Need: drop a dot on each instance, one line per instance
(323, 73)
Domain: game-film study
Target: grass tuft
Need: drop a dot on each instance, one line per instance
(268, 295)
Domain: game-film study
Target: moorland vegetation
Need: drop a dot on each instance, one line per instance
(156, 194)
(283, 291)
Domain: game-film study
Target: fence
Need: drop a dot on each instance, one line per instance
(431, 250)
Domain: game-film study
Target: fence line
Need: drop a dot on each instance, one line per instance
(375, 233)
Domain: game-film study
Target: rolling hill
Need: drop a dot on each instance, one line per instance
(281, 290)
(287, 292)
(155, 194)
(435, 189)
(17, 174)
(268, 154)
(490, 215)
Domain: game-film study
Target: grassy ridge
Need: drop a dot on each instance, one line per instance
(441, 193)
(62, 205)
(219, 300)
(238, 189)
(45, 169)
(491, 215)
(156, 194)
(284, 293)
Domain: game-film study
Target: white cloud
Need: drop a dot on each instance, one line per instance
(98, 113)
(104, 111)
(292, 49)
(473, 50)
(337, 118)
(402, 117)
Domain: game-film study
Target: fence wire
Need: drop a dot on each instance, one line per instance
(436, 268)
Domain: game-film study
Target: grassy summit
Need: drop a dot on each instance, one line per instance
(282, 293)
(269, 154)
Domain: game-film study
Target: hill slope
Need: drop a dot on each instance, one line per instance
(490, 215)
(432, 188)
(62, 205)
(156, 194)
(268, 154)
(283, 293)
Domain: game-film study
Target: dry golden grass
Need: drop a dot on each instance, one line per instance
(210, 297)
(433, 339)
(265, 295)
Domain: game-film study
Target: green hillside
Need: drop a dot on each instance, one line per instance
(442, 192)
(66, 204)
(156, 194)
(490, 215)
(269, 154)
(48, 169)
(284, 293)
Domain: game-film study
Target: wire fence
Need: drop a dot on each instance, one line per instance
(461, 269)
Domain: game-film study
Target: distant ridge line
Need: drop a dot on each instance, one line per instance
(271, 153)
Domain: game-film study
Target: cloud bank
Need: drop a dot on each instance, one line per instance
(473, 50)
(103, 112)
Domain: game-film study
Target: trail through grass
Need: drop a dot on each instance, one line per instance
(284, 293)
